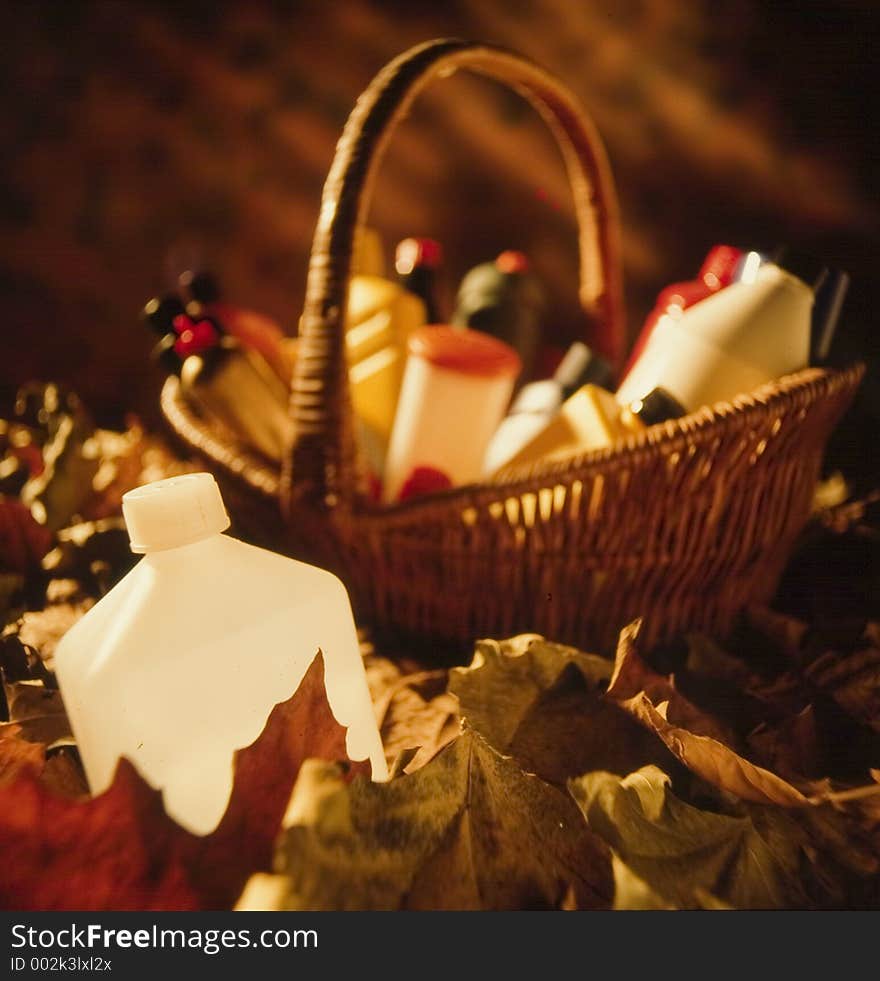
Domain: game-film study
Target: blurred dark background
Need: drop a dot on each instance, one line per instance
(143, 135)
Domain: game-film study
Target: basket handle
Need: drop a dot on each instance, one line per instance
(320, 471)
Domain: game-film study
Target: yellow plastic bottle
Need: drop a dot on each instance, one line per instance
(380, 317)
(588, 420)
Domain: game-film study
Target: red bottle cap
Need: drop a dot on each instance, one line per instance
(194, 336)
(681, 295)
(423, 480)
(413, 252)
(719, 266)
(512, 261)
(470, 352)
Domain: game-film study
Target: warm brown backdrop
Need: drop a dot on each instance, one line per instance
(139, 134)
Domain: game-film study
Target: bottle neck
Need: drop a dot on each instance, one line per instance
(187, 551)
(420, 281)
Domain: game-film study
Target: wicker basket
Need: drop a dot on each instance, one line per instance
(682, 525)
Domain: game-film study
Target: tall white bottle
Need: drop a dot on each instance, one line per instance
(728, 343)
(180, 664)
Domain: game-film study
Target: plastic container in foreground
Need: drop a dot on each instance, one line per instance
(180, 664)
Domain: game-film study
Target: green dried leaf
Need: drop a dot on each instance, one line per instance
(64, 487)
(544, 704)
(685, 854)
(505, 679)
(469, 830)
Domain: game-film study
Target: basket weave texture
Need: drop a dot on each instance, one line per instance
(682, 525)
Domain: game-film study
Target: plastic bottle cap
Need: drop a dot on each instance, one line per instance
(720, 265)
(470, 352)
(414, 252)
(173, 512)
(512, 261)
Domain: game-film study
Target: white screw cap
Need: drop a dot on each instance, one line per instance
(174, 512)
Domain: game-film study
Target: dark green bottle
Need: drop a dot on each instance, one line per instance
(504, 298)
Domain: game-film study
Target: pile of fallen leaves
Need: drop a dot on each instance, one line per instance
(707, 774)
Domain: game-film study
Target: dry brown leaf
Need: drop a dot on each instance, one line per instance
(413, 711)
(687, 856)
(544, 704)
(790, 747)
(43, 629)
(469, 830)
(704, 754)
(23, 542)
(852, 680)
(39, 711)
(127, 460)
(632, 676)
(785, 631)
(121, 851)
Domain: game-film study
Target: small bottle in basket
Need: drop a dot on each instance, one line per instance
(251, 329)
(538, 402)
(720, 268)
(416, 261)
(222, 378)
(589, 419)
(180, 664)
(504, 298)
(456, 389)
(731, 342)
(380, 317)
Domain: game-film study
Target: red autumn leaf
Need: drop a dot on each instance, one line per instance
(120, 850)
(23, 542)
(18, 756)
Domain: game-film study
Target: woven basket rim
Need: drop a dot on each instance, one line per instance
(218, 443)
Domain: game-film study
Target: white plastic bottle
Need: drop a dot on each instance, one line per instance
(180, 664)
(456, 389)
(728, 343)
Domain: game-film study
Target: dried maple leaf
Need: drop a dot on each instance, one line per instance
(852, 680)
(684, 853)
(23, 542)
(18, 756)
(37, 711)
(94, 555)
(121, 851)
(127, 460)
(469, 830)
(60, 772)
(544, 704)
(791, 747)
(410, 712)
(41, 630)
(693, 738)
(64, 485)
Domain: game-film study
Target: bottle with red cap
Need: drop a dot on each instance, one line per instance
(506, 299)
(416, 261)
(456, 388)
(221, 376)
(719, 269)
